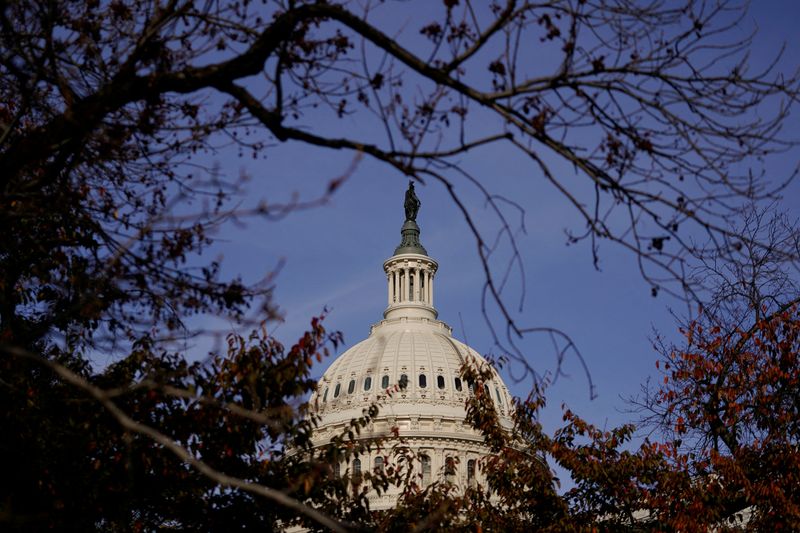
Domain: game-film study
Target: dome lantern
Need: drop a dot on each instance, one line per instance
(410, 272)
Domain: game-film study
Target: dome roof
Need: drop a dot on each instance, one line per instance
(419, 348)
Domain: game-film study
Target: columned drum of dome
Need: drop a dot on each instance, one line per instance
(414, 351)
(410, 286)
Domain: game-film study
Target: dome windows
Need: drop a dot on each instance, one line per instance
(379, 465)
(356, 471)
(426, 469)
(471, 472)
(439, 383)
(450, 469)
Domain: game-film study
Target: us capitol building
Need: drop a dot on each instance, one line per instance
(410, 365)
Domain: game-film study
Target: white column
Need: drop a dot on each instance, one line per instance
(395, 277)
(403, 283)
(389, 286)
(430, 288)
(415, 291)
(439, 462)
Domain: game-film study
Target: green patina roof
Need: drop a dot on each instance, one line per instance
(410, 242)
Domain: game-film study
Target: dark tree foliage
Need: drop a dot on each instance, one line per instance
(108, 111)
(66, 463)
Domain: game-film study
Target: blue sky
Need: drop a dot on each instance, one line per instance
(333, 254)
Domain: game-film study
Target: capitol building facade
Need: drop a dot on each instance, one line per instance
(410, 366)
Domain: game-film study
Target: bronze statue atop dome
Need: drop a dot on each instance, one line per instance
(412, 203)
(409, 243)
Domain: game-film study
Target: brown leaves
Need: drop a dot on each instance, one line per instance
(552, 30)
(539, 121)
(432, 31)
(497, 67)
(727, 396)
(377, 81)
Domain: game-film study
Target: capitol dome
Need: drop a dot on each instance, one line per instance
(410, 367)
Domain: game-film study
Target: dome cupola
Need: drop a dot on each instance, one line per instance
(410, 271)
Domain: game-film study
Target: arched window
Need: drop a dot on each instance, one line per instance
(440, 381)
(356, 471)
(450, 469)
(426, 469)
(385, 382)
(486, 391)
(471, 472)
(325, 396)
(351, 387)
(379, 465)
(423, 381)
(337, 470)
(499, 397)
(337, 390)
(367, 383)
(403, 381)
(458, 384)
